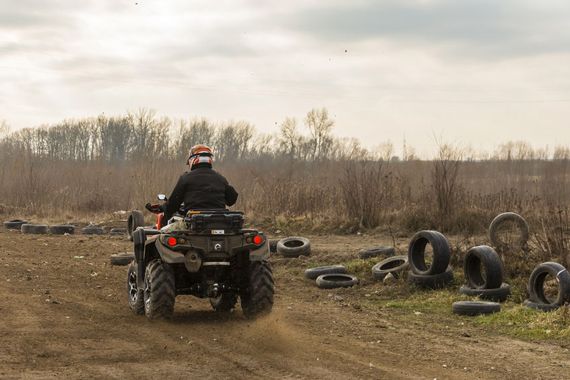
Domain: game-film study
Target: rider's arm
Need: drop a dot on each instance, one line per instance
(176, 198)
(231, 195)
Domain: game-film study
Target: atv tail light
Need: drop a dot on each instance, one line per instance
(171, 241)
(257, 240)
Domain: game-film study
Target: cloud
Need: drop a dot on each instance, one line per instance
(475, 27)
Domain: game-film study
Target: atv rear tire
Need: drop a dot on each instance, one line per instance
(134, 294)
(257, 299)
(224, 303)
(159, 290)
(136, 220)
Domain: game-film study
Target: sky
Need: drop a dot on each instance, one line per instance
(475, 73)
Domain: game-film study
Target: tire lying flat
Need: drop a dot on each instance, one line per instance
(92, 230)
(486, 257)
(121, 259)
(313, 273)
(15, 224)
(34, 229)
(339, 280)
(495, 225)
(395, 265)
(497, 295)
(540, 306)
(377, 251)
(436, 281)
(472, 308)
(441, 253)
(294, 246)
(62, 229)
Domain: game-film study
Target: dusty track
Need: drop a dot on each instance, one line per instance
(61, 315)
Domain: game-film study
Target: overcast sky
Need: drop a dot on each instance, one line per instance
(478, 72)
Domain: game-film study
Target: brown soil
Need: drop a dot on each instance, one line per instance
(64, 314)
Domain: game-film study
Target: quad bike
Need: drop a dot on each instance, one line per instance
(213, 257)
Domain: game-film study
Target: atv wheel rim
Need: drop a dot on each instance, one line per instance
(133, 288)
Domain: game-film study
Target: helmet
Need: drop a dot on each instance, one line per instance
(200, 154)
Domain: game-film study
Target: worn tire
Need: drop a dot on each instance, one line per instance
(508, 217)
(135, 296)
(294, 247)
(257, 298)
(487, 257)
(540, 306)
(117, 231)
(34, 229)
(497, 295)
(92, 230)
(472, 308)
(441, 253)
(332, 281)
(377, 251)
(159, 291)
(435, 281)
(135, 220)
(224, 303)
(15, 224)
(395, 265)
(536, 284)
(122, 259)
(62, 229)
(313, 273)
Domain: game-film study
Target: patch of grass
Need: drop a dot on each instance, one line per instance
(522, 322)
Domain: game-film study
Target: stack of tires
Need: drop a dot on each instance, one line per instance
(542, 280)
(436, 275)
(484, 274)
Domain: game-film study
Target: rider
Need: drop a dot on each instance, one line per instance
(201, 188)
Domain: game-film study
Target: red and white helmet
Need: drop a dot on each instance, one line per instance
(200, 154)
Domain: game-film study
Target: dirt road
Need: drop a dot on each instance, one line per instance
(63, 313)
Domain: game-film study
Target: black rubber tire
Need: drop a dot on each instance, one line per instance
(508, 217)
(62, 229)
(15, 224)
(313, 273)
(435, 281)
(441, 253)
(117, 231)
(257, 297)
(122, 259)
(92, 230)
(536, 283)
(332, 281)
(135, 296)
(224, 303)
(273, 245)
(472, 308)
(487, 257)
(540, 306)
(159, 291)
(294, 247)
(497, 295)
(377, 251)
(34, 229)
(395, 265)
(135, 220)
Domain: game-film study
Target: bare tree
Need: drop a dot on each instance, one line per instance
(4, 128)
(320, 127)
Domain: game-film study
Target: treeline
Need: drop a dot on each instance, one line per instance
(142, 135)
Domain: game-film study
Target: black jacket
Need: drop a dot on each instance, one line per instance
(202, 188)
